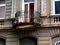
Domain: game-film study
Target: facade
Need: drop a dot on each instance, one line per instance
(29, 22)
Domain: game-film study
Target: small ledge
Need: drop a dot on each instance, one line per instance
(2, 5)
(51, 25)
(2, 19)
(26, 26)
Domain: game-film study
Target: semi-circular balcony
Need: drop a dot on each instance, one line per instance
(23, 22)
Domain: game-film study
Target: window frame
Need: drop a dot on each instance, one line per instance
(42, 6)
(53, 7)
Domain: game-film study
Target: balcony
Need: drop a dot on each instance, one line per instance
(5, 23)
(50, 21)
(26, 22)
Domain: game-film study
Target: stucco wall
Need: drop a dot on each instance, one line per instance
(45, 36)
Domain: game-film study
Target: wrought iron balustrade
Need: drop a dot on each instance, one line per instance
(26, 21)
(25, 17)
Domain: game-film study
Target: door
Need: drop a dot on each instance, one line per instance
(28, 41)
(29, 12)
(26, 13)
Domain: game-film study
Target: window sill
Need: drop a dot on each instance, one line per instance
(2, 18)
(2, 5)
(54, 14)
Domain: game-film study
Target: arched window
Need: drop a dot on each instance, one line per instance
(28, 41)
(57, 43)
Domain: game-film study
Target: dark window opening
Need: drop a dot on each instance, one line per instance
(57, 7)
(2, 41)
(28, 41)
(1, 22)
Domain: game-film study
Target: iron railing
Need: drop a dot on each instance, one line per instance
(25, 17)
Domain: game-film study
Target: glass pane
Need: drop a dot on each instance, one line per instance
(28, 0)
(2, 1)
(26, 12)
(57, 7)
(31, 12)
(1, 22)
(2, 12)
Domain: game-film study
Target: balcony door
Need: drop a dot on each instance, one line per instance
(29, 11)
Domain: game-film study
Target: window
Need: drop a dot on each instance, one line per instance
(28, 41)
(28, 0)
(57, 43)
(2, 1)
(55, 6)
(28, 10)
(2, 8)
(56, 19)
(1, 22)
